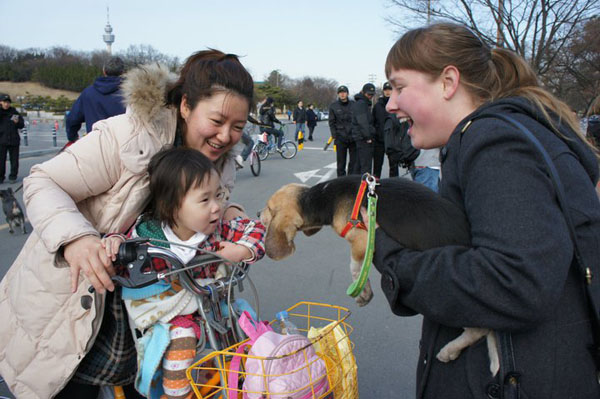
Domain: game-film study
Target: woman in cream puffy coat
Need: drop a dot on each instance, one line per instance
(49, 318)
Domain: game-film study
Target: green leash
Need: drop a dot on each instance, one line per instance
(357, 286)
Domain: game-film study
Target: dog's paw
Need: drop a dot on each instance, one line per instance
(447, 355)
(365, 296)
(494, 366)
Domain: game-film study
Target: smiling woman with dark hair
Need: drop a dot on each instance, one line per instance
(57, 339)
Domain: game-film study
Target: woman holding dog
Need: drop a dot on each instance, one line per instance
(58, 339)
(519, 277)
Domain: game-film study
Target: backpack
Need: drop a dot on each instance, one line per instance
(397, 142)
(277, 364)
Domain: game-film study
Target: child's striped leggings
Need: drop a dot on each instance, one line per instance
(178, 357)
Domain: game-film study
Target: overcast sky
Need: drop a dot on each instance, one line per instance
(345, 40)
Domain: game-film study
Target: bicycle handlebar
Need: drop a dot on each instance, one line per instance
(136, 256)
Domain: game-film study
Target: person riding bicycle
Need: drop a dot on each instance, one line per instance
(268, 120)
(165, 313)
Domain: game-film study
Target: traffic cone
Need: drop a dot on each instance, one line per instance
(300, 140)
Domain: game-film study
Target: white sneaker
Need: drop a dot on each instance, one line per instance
(239, 161)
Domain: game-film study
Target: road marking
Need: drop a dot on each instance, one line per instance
(309, 174)
(304, 176)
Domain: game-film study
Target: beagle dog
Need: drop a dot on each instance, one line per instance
(411, 213)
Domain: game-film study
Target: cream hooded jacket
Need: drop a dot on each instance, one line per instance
(98, 185)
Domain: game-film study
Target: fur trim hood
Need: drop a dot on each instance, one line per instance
(144, 89)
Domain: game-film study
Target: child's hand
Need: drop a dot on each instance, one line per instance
(111, 245)
(234, 252)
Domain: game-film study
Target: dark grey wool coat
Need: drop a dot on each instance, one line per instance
(518, 277)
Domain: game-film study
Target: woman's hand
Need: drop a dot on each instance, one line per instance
(88, 254)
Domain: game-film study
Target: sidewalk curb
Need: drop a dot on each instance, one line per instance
(37, 153)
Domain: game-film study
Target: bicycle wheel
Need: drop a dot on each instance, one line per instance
(262, 151)
(254, 163)
(288, 149)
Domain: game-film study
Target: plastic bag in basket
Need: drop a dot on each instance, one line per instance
(336, 349)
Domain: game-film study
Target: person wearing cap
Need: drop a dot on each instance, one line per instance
(340, 127)
(101, 100)
(10, 123)
(379, 117)
(363, 130)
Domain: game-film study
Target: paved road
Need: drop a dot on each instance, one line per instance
(386, 345)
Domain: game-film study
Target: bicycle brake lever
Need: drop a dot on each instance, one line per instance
(137, 277)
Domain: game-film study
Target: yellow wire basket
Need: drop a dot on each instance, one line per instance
(327, 329)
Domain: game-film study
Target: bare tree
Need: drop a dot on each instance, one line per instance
(536, 29)
(575, 73)
(315, 90)
(138, 54)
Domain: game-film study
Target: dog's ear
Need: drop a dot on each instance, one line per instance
(312, 230)
(279, 242)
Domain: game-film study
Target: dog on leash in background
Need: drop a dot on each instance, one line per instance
(12, 211)
(409, 212)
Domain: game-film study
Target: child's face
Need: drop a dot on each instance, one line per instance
(201, 208)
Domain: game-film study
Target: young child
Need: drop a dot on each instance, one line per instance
(186, 207)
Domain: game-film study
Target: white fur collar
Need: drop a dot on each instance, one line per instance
(144, 89)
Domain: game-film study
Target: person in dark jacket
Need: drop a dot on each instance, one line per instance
(101, 100)
(519, 276)
(299, 118)
(311, 121)
(397, 145)
(10, 123)
(268, 120)
(379, 117)
(363, 131)
(340, 127)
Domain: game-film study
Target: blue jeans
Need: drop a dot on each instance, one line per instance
(247, 140)
(427, 177)
(299, 126)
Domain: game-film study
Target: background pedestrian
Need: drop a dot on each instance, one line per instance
(10, 123)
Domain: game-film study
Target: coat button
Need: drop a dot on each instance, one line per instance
(86, 302)
(387, 282)
(493, 391)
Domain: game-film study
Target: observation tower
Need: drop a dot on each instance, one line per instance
(108, 37)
